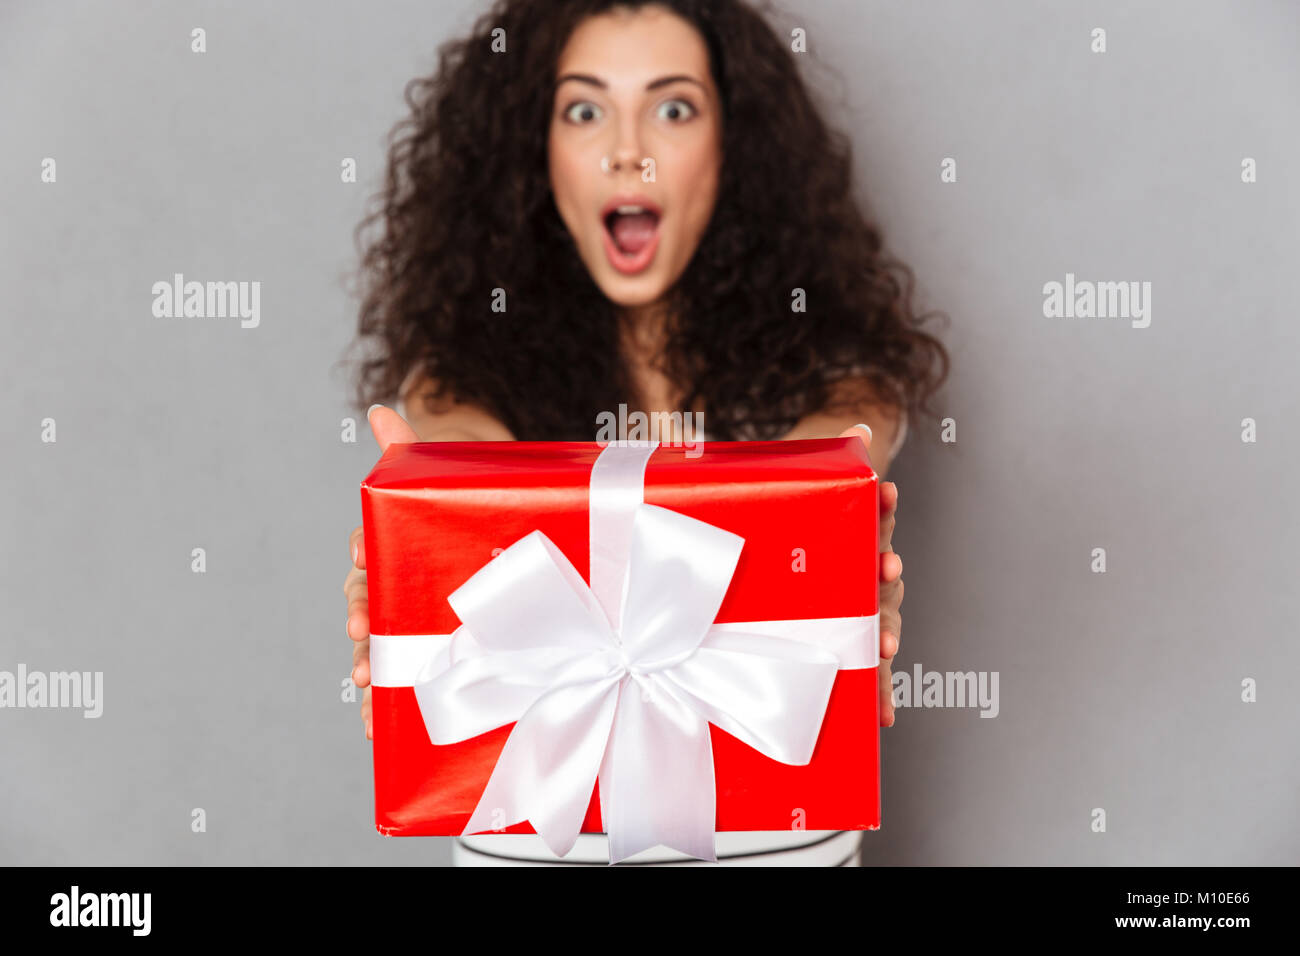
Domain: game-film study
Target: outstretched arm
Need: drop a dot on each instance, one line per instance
(448, 420)
(847, 419)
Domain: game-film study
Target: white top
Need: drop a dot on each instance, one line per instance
(738, 848)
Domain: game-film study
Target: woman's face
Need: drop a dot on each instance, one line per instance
(635, 149)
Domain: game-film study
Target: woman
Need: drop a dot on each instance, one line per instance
(597, 203)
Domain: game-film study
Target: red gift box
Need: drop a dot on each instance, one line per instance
(437, 513)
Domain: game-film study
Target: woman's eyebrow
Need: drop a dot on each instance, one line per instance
(652, 85)
(675, 78)
(583, 78)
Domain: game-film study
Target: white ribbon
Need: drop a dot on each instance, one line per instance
(626, 704)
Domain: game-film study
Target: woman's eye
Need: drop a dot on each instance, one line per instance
(675, 111)
(582, 113)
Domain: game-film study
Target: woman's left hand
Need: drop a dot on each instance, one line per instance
(891, 590)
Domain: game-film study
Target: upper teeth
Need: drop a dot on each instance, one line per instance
(629, 210)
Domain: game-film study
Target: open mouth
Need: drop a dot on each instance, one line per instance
(631, 234)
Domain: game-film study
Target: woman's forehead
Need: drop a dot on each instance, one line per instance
(635, 47)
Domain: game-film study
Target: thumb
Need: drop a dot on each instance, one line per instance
(387, 426)
(859, 431)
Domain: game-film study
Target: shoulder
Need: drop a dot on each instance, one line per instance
(859, 393)
(437, 414)
(861, 399)
(902, 434)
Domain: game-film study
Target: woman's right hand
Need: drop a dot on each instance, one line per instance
(387, 426)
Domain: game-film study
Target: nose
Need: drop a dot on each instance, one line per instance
(626, 153)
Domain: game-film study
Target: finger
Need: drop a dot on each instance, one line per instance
(354, 584)
(358, 621)
(891, 620)
(891, 567)
(361, 663)
(357, 547)
(859, 431)
(887, 525)
(886, 682)
(888, 508)
(367, 715)
(387, 426)
(358, 604)
(888, 497)
(358, 626)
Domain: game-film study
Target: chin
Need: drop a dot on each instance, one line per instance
(632, 292)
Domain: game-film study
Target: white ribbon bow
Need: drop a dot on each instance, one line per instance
(626, 702)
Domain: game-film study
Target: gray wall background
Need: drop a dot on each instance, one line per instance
(222, 690)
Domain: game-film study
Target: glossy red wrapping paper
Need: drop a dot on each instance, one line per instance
(435, 512)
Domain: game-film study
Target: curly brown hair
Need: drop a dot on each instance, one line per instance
(467, 209)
